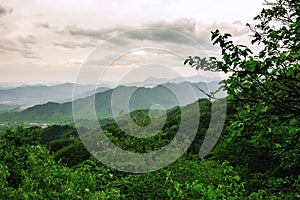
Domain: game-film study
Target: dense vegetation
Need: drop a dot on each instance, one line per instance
(257, 156)
(53, 163)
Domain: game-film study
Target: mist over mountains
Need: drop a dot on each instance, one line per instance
(140, 98)
(36, 94)
(29, 95)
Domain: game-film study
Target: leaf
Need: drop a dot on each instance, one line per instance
(169, 192)
(176, 185)
(214, 34)
(186, 61)
(264, 109)
(217, 40)
(226, 35)
(198, 188)
(237, 177)
(290, 72)
(197, 57)
(211, 193)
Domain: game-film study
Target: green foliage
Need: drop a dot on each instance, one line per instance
(28, 171)
(266, 85)
(72, 154)
(57, 132)
(262, 136)
(177, 180)
(56, 145)
(227, 186)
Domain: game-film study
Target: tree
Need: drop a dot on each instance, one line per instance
(265, 86)
(29, 171)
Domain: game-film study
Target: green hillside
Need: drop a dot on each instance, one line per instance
(8, 108)
(57, 163)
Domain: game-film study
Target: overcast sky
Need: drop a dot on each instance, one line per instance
(44, 41)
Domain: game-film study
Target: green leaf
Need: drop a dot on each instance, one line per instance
(169, 192)
(211, 193)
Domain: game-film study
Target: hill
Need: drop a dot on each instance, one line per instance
(8, 108)
(38, 94)
(141, 98)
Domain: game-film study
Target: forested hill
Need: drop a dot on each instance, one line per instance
(142, 98)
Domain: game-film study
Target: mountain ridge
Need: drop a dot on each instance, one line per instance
(141, 98)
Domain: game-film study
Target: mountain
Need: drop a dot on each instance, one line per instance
(154, 81)
(8, 108)
(10, 85)
(90, 92)
(37, 94)
(193, 79)
(141, 98)
(29, 95)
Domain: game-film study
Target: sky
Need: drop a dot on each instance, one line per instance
(43, 41)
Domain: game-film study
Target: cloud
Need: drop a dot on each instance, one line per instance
(177, 32)
(137, 57)
(29, 39)
(197, 31)
(41, 25)
(102, 33)
(5, 10)
(74, 62)
(236, 29)
(185, 25)
(73, 45)
(28, 54)
(172, 41)
(7, 45)
(181, 37)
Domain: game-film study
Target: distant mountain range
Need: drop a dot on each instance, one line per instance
(29, 95)
(141, 98)
(192, 79)
(154, 81)
(37, 94)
